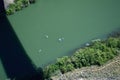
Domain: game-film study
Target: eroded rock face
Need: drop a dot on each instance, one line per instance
(7, 2)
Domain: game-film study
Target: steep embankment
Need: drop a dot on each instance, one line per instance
(109, 71)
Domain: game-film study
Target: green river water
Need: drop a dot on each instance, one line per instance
(42, 26)
(3, 75)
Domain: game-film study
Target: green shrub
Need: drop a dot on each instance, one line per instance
(18, 5)
(11, 9)
(96, 54)
(25, 3)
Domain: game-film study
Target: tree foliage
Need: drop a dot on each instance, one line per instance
(18, 5)
(11, 9)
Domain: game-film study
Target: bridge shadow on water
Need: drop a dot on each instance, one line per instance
(15, 61)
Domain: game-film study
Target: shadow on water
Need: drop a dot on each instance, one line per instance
(14, 59)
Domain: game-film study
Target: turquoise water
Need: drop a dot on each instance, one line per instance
(42, 26)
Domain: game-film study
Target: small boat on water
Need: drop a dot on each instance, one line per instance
(40, 50)
(60, 39)
(46, 36)
(87, 44)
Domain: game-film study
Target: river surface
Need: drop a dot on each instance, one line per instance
(3, 75)
(50, 29)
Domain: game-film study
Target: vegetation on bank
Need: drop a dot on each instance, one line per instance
(109, 71)
(97, 53)
(18, 5)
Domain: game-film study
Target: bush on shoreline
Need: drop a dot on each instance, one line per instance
(11, 9)
(18, 5)
(97, 53)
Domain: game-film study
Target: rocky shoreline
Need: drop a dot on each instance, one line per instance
(81, 65)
